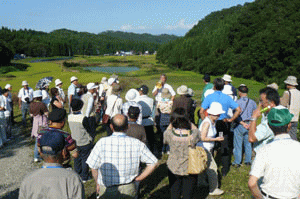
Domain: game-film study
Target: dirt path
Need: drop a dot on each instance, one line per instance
(15, 164)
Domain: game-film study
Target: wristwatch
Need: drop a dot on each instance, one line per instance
(253, 118)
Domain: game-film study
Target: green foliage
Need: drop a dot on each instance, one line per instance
(259, 40)
(6, 53)
(70, 64)
(65, 42)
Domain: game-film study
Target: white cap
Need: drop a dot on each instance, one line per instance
(227, 90)
(37, 93)
(131, 95)
(112, 80)
(57, 82)
(91, 86)
(227, 78)
(73, 78)
(7, 86)
(24, 83)
(215, 109)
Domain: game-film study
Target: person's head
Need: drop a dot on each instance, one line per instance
(243, 90)
(215, 110)
(52, 146)
(37, 95)
(291, 82)
(131, 95)
(182, 90)
(227, 79)
(273, 85)
(8, 86)
(92, 87)
(133, 113)
(74, 80)
(179, 119)
(76, 105)
(54, 92)
(143, 90)
(206, 78)
(219, 84)
(269, 97)
(25, 84)
(112, 81)
(119, 123)
(58, 83)
(5, 92)
(163, 78)
(279, 120)
(57, 118)
(104, 80)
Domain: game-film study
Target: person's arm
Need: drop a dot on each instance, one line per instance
(58, 104)
(204, 131)
(89, 107)
(202, 113)
(172, 98)
(252, 184)
(155, 91)
(252, 127)
(284, 100)
(235, 115)
(95, 176)
(148, 170)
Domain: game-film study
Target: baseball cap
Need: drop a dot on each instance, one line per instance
(279, 116)
(52, 142)
(57, 115)
(144, 89)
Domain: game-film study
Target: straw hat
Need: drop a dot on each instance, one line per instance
(165, 93)
(291, 80)
(182, 90)
(227, 78)
(215, 109)
(273, 85)
(131, 95)
(190, 92)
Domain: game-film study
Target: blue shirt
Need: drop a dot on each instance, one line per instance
(246, 111)
(226, 102)
(73, 90)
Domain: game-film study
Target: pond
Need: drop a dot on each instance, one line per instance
(113, 69)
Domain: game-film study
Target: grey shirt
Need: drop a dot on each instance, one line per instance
(79, 133)
(52, 183)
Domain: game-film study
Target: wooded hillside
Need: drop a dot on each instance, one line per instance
(259, 40)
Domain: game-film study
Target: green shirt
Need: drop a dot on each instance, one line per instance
(206, 87)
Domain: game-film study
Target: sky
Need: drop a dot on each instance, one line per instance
(139, 16)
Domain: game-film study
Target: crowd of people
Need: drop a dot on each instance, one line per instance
(141, 129)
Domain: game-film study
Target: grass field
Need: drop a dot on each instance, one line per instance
(156, 185)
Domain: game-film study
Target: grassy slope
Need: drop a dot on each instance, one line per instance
(235, 184)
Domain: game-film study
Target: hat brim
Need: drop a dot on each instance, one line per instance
(227, 80)
(215, 113)
(93, 87)
(293, 84)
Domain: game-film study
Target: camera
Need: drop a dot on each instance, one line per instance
(27, 100)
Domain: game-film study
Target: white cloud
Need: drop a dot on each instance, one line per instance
(181, 25)
(128, 27)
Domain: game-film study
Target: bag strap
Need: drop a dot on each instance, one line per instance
(113, 106)
(245, 107)
(290, 98)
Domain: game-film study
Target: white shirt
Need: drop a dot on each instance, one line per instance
(110, 103)
(212, 132)
(90, 104)
(45, 98)
(61, 94)
(147, 104)
(279, 164)
(158, 96)
(23, 93)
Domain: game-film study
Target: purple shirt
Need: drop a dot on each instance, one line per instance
(246, 112)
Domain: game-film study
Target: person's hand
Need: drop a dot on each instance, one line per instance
(98, 188)
(219, 139)
(245, 125)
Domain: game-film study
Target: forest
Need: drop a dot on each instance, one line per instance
(258, 41)
(65, 42)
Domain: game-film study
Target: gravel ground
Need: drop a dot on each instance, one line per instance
(15, 163)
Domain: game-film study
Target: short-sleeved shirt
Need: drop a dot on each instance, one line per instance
(247, 107)
(73, 90)
(137, 131)
(147, 104)
(226, 102)
(278, 164)
(179, 150)
(117, 158)
(158, 96)
(263, 134)
(127, 105)
(52, 183)
(24, 93)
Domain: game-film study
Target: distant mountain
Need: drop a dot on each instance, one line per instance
(64, 42)
(160, 39)
(259, 40)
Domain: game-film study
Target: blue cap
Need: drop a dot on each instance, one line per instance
(52, 142)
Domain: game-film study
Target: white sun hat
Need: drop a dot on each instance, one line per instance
(7, 86)
(227, 78)
(291, 80)
(131, 95)
(227, 90)
(58, 82)
(24, 83)
(104, 80)
(37, 93)
(215, 109)
(73, 78)
(90, 86)
(182, 90)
